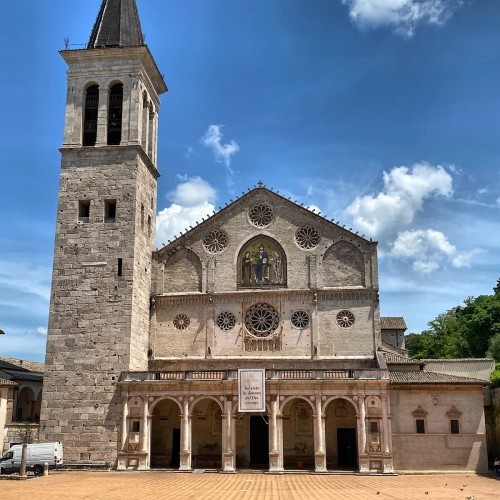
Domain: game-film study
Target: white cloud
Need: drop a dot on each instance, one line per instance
(498, 201)
(384, 215)
(192, 200)
(429, 249)
(25, 277)
(223, 152)
(213, 140)
(41, 330)
(401, 15)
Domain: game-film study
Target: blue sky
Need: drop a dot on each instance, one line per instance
(385, 114)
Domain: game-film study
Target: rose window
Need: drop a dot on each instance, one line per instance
(345, 319)
(261, 320)
(181, 321)
(299, 319)
(215, 241)
(307, 237)
(226, 320)
(261, 215)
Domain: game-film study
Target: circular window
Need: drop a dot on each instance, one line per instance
(345, 319)
(261, 215)
(261, 320)
(307, 237)
(299, 319)
(226, 321)
(181, 321)
(215, 241)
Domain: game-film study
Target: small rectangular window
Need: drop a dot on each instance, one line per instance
(373, 426)
(120, 267)
(84, 210)
(149, 225)
(420, 426)
(110, 210)
(455, 427)
(136, 426)
(142, 216)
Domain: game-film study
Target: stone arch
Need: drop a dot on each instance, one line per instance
(297, 414)
(341, 433)
(115, 112)
(343, 265)
(183, 272)
(165, 433)
(206, 432)
(163, 398)
(90, 113)
(25, 404)
(261, 262)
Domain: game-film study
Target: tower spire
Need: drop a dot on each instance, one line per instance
(117, 25)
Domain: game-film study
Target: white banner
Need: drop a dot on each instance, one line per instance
(251, 390)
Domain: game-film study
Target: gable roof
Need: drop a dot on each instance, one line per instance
(117, 25)
(392, 323)
(245, 198)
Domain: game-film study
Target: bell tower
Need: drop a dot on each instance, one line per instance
(101, 281)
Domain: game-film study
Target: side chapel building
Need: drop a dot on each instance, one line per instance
(144, 346)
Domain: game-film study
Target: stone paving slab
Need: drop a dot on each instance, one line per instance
(157, 485)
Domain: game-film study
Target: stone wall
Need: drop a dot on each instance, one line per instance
(438, 449)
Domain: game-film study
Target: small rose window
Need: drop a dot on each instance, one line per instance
(215, 241)
(307, 237)
(226, 320)
(299, 319)
(181, 321)
(345, 319)
(261, 215)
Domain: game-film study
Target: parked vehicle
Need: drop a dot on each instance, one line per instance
(37, 455)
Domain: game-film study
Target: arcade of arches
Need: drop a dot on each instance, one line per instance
(321, 431)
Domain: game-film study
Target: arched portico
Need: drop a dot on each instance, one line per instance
(165, 444)
(298, 431)
(341, 434)
(206, 433)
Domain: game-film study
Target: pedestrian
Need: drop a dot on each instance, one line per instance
(496, 464)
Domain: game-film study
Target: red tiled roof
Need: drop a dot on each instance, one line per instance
(424, 377)
(392, 323)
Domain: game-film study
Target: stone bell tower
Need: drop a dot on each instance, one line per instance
(99, 307)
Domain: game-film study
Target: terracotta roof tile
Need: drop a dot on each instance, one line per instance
(392, 358)
(424, 377)
(21, 364)
(392, 323)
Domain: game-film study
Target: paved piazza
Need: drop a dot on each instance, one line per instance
(158, 485)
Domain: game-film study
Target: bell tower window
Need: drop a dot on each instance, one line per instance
(90, 116)
(115, 114)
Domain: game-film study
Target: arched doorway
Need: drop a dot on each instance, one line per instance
(206, 432)
(298, 435)
(165, 435)
(341, 435)
(25, 404)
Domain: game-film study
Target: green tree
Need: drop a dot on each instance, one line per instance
(494, 348)
(462, 332)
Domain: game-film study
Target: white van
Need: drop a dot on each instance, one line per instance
(36, 456)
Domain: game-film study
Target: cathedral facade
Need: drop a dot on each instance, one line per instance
(254, 340)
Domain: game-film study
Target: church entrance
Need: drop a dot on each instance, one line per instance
(341, 435)
(259, 441)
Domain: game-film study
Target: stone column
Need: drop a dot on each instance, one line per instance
(227, 438)
(319, 435)
(185, 437)
(274, 453)
(363, 455)
(125, 425)
(128, 113)
(386, 435)
(144, 428)
(102, 117)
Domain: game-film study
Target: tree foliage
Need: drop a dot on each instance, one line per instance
(465, 331)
